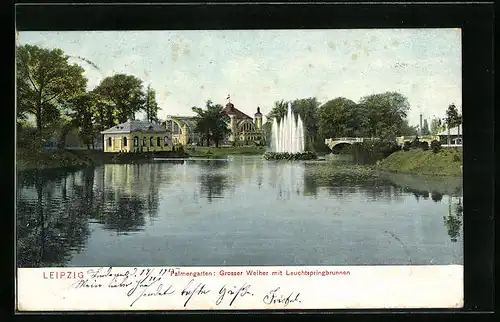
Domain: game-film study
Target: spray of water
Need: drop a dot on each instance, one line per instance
(288, 134)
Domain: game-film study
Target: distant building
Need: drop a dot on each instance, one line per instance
(137, 136)
(455, 135)
(182, 129)
(244, 128)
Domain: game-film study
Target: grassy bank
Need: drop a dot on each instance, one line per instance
(225, 151)
(32, 159)
(446, 162)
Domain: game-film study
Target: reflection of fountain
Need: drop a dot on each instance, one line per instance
(288, 134)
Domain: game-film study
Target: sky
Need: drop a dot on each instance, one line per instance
(259, 67)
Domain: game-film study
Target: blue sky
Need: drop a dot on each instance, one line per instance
(258, 67)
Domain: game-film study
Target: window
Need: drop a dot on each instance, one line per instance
(144, 141)
(158, 141)
(165, 140)
(151, 141)
(124, 141)
(110, 142)
(136, 141)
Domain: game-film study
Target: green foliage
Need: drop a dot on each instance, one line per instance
(307, 108)
(407, 146)
(415, 144)
(452, 117)
(151, 106)
(122, 96)
(212, 123)
(424, 145)
(436, 126)
(308, 155)
(418, 161)
(371, 151)
(341, 117)
(44, 80)
(435, 146)
(425, 128)
(82, 117)
(386, 113)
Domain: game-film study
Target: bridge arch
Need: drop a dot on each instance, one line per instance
(340, 146)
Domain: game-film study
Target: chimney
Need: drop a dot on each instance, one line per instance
(420, 124)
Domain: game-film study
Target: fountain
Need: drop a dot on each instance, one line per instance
(287, 138)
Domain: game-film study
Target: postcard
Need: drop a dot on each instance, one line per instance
(239, 169)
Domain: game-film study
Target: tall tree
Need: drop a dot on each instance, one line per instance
(339, 118)
(436, 126)
(386, 113)
(278, 111)
(212, 123)
(83, 109)
(123, 95)
(452, 118)
(151, 106)
(425, 128)
(45, 79)
(307, 108)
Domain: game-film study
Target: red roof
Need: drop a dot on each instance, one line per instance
(231, 110)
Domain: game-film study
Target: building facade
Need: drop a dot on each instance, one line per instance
(137, 136)
(245, 130)
(182, 129)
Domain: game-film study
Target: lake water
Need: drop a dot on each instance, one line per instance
(246, 211)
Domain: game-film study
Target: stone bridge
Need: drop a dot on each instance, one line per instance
(332, 143)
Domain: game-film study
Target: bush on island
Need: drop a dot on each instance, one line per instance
(307, 155)
(424, 145)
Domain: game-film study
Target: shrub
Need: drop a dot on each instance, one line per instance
(456, 158)
(424, 145)
(415, 144)
(407, 146)
(435, 146)
(308, 155)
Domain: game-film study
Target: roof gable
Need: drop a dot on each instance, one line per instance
(135, 126)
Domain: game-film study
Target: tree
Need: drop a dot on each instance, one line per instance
(407, 130)
(123, 97)
(212, 123)
(436, 126)
(452, 118)
(278, 111)
(338, 118)
(386, 113)
(151, 106)
(83, 109)
(425, 128)
(307, 108)
(44, 80)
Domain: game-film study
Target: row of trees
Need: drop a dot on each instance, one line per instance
(53, 91)
(378, 115)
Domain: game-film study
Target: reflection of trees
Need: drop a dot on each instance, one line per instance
(52, 221)
(129, 193)
(453, 222)
(122, 213)
(213, 185)
(418, 193)
(436, 196)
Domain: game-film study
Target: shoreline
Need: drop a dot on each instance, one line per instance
(443, 164)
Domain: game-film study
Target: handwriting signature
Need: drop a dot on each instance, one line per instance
(274, 297)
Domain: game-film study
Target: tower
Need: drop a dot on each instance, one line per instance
(258, 119)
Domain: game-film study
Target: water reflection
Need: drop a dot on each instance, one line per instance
(453, 221)
(63, 215)
(48, 227)
(213, 185)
